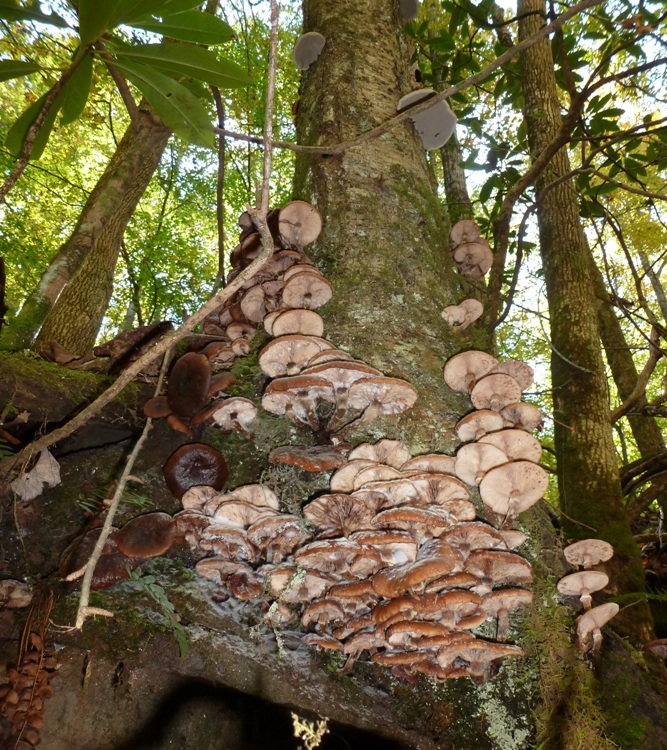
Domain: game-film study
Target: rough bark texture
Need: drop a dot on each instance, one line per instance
(454, 177)
(588, 482)
(89, 255)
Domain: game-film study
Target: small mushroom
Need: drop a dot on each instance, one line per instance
(194, 464)
(189, 381)
(308, 49)
(516, 444)
(460, 316)
(513, 488)
(495, 392)
(390, 452)
(235, 413)
(588, 552)
(148, 535)
(583, 584)
(289, 355)
(474, 460)
(436, 124)
(314, 458)
(503, 601)
(589, 627)
(464, 370)
(523, 416)
(299, 223)
(474, 426)
(303, 322)
(473, 259)
(465, 230)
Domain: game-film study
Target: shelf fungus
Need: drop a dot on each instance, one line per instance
(436, 124)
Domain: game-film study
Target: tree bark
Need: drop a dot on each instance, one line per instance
(588, 481)
(89, 256)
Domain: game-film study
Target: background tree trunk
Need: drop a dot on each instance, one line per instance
(89, 255)
(588, 480)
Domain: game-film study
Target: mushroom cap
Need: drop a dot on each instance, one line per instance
(307, 50)
(285, 392)
(463, 370)
(255, 494)
(189, 381)
(462, 315)
(658, 647)
(583, 582)
(435, 125)
(465, 230)
(430, 463)
(513, 538)
(338, 514)
(338, 556)
(588, 552)
(238, 513)
(523, 416)
(473, 461)
(391, 452)
(374, 473)
(514, 487)
(390, 395)
(303, 322)
(277, 536)
(473, 259)
(474, 426)
(505, 599)
(194, 464)
(342, 375)
(234, 412)
(476, 652)
(520, 371)
(594, 619)
(517, 445)
(228, 543)
(421, 522)
(322, 613)
(394, 547)
(157, 407)
(307, 290)
(329, 355)
(439, 489)
(14, 594)
(292, 585)
(498, 568)
(342, 480)
(399, 579)
(289, 355)
(313, 458)
(495, 392)
(299, 223)
(148, 535)
(473, 535)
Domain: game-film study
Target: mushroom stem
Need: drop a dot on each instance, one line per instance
(503, 624)
(586, 599)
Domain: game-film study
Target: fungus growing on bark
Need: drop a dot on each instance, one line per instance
(434, 125)
(589, 627)
(474, 426)
(583, 584)
(228, 543)
(303, 322)
(299, 223)
(517, 445)
(307, 50)
(289, 355)
(338, 514)
(277, 536)
(463, 370)
(192, 464)
(235, 413)
(314, 458)
(414, 575)
(473, 259)
(588, 552)
(480, 656)
(465, 230)
(340, 557)
(422, 523)
(523, 416)
(514, 487)
(390, 452)
(460, 316)
(394, 547)
(497, 568)
(503, 601)
(14, 594)
(189, 382)
(306, 290)
(474, 460)
(432, 463)
(495, 392)
(520, 371)
(380, 396)
(474, 535)
(297, 397)
(149, 535)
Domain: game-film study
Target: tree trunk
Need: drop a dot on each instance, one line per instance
(89, 255)
(588, 481)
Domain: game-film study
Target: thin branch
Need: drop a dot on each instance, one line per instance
(219, 193)
(83, 610)
(125, 94)
(640, 387)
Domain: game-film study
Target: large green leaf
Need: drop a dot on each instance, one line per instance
(130, 11)
(76, 92)
(179, 109)
(95, 17)
(16, 69)
(187, 60)
(18, 131)
(10, 11)
(191, 26)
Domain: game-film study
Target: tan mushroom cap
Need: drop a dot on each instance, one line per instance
(391, 452)
(235, 413)
(503, 601)
(516, 444)
(523, 416)
(497, 568)
(303, 322)
(394, 492)
(514, 487)
(288, 355)
(313, 458)
(14, 594)
(338, 514)
(299, 223)
(342, 480)
(422, 522)
(228, 543)
(520, 371)
(413, 576)
(439, 489)
(196, 497)
(430, 463)
(590, 623)
(218, 569)
(473, 259)
(460, 316)
(342, 375)
(459, 580)
(474, 426)
(268, 320)
(329, 355)
(583, 584)
(474, 460)
(300, 267)
(277, 536)
(339, 556)
(254, 304)
(513, 538)
(588, 552)
(238, 330)
(406, 633)
(297, 396)
(255, 494)
(375, 473)
(495, 392)
(463, 370)
(479, 654)
(321, 613)
(307, 290)
(382, 395)
(394, 547)
(239, 514)
(468, 537)
(464, 230)
(322, 642)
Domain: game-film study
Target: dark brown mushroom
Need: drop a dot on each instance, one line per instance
(192, 464)
(148, 535)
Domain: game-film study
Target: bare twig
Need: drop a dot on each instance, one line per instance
(219, 197)
(125, 94)
(640, 387)
(84, 611)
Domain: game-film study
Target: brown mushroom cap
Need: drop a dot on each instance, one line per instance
(238, 514)
(474, 426)
(148, 535)
(303, 322)
(338, 556)
(473, 259)
(299, 223)
(497, 568)
(423, 523)
(277, 536)
(228, 543)
(583, 584)
(520, 371)
(195, 464)
(313, 458)
(297, 396)
(14, 594)
(157, 407)
(322, 613)
(588, 552)
(495, 392)
(391, 452)
(516, 444)
(189, 382)
(430, 463)
(306, 290)
(464, 370)
(413, 576)
(338, 514)
(474, 460)
(514, 487)
(289, 355)
(523, 416)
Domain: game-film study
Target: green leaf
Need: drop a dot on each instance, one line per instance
(95, 18)
(130, 11)
(77, 89)
(16, 69)
(193, 62)
(175, 105)
(10, 11)
(18, 131)
(191, 26)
